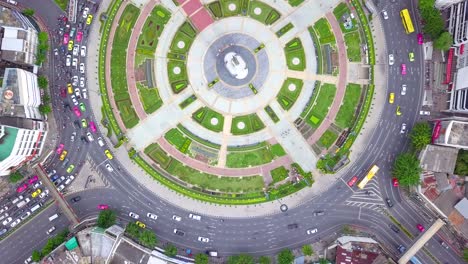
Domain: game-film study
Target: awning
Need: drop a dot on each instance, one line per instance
(71, 244)
(436, 133)
(448, 69)
(462, 49)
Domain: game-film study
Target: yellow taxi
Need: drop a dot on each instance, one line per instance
(140, 224)
(36, 193)
(63, 155)
(398, 112)
(391, 98)
(108, 154)
(70, 45)
(89, 19)
(70, 88)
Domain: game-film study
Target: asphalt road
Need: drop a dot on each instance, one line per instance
(262, 235)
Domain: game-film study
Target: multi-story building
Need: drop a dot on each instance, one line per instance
(451, 133)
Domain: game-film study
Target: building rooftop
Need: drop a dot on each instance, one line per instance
(354, 256)
(462, 207)
(446, 201)
(462, 78)
(438, 158)
(7, 141)
(458, 133)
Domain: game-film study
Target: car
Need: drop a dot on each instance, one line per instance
(152, 216)
(75, 62)
(63, 155)
(75, 199)
(70, 88)
(54, 178)
(385, 14)
(60, 188)
(195, 217)
(352, 181)
(401, 248)
(442, 243)
(52, 229)
(50, 173)
(70, 45)
(319, 213)
(15, 223)
(7, 220)
(411, 56)
(90, 137)
(72, 137)
(3, 231)
(3, 209)
(398, 111)
(4, 216)
(176, 218)
(103, 207)
(70, 168)
(77, 111)
(89, 19)
(293, 226)
(82, 68)
(311, 231)
(82, 82)
(389, 202)
(69, 179)
(44, 194)
(72, 32)
(77, 93)
(100, 141)
(83, 107)
(140, 224)
(22, 188)
(403, 69)
(85, 93)
(179, 232)
(92, 126)
(84, 123)
(85, 12)
(75, 80)
(133, 215)
(420, 227)
(76, 49)
(420, 39)
(59, 180)
(391, 98)
(108, 154)
(12, 2)
(403, 128)
(83, 51)
(391, 59)
(36, 193)
(63, 92)
(56, 52)
(403, 89)
(79, 36)
(424, 112)
(394, 228)
(25, 215)
(66, 38)
(203, 239)
(68, 60)
(109, 167)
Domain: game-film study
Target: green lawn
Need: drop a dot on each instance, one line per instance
(295, 2)
(178, 140)
(284, 29)
(327, 139)
(321, 105)
(62, 4)
(251, 123)
(200, 140)
(215, 9)
(279, 174)
(209, 119)
(341, 10)
(295, 56)
(183, 39)
(149, 97)
(177, 73)
(158, 155)
(268, 15)
(255, 157)
(346, 114)
(154, 26)
(353, 46)
(289, 92)
(226, 12)
(324, 32)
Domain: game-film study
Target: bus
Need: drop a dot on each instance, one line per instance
(414, 260)
(406, 20)
(368, 177)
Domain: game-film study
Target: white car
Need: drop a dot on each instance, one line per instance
(90, 137)
(72, 138)
(68, 61)
(69, 179)
(4, 216)
(15, 223)
(403, 128)
(44, 194)
(385, 14)
(37, 184)
(391, 59)
(133, 215)
(52, 229)
(56, 52)
(25, 215)
(75, 102)
(82, 68)
(424, 112)
(85, 93)
(7, 221)
(311, 231)
(77, 92)
(85, 12)
(12, 2)
(203, 239)
(3, 209)
(76, 49)
(152, 216)
(403, 89)
(109, 167)
(60, 188)
(75, 80)
(195, 217)
(176, 218)
(82, 82)
(83, 51)
(100, 141)
(75, 62)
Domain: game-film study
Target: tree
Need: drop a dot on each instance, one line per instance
(465, 254)
(28, 12)
(307, 250)
(444, 41)
(241, 259)
(407, 170)
(264, 260)
(148, 239)
(323, 261)
(15, 177)
(170, 250)
(201, 258)
(285, 256)
(421, 135)
(432, 19)
(133, 230)
(42, 82)
(106, 218)
(45, 109)
(461, 167)
(36, 256)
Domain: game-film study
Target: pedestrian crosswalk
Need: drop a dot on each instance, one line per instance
(369, 197)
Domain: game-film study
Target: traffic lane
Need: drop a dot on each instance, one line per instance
(30, 236)
(46, 9)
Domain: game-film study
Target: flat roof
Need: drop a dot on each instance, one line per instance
(462, 78)
(7, 142)
(439, 158)
(462, 207)
(13, 44)
(458, 133)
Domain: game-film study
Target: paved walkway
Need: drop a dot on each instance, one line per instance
(341, 85)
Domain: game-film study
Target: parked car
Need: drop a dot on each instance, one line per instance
(77, 111)
(79, 36)
(22, 188)
(83, 51)
(75, 199)
(92, 127)
(44, 194)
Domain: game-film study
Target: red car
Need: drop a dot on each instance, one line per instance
(22, 188)
(79, 36)
(352, 181)
(63, 93)
(60, 148)
(33, 180)
(420, 39)
(66, 38)
(92, 126)
(420, 227)
(77, 111)
(103, 207)
(395, 182)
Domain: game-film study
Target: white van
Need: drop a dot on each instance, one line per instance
(213, 253)
(36, 207)
(53, 217)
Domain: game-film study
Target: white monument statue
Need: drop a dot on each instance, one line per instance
(236, 65)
